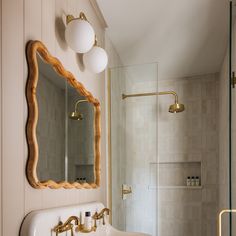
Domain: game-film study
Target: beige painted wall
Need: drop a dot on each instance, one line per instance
(24, 20)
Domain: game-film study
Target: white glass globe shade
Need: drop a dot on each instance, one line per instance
(95, 60)
(80, 35)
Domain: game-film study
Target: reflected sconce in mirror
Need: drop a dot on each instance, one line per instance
(81, 38)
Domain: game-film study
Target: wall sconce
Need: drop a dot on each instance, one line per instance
(79, 33)
(80, 37)
(96, 59)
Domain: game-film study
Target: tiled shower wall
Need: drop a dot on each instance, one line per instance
(80, 139)
(186, 142)
(141, 150)
(118, 148)
(187, 138)
(51, 130)
(224, 144)
(134, 147)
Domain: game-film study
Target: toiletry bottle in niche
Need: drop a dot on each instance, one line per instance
(197, 181)
(188, 181)
(193, 181)
(88, 221)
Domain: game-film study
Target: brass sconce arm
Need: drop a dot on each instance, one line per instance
(69, 18)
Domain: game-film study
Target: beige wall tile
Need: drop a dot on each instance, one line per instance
(189, 136)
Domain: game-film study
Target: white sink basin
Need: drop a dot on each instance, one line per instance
(108, 230)
(41, 223)
(111, 231)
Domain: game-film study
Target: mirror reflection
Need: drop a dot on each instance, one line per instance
(65, 129)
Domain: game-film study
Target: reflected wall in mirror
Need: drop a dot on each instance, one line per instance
(63, 127)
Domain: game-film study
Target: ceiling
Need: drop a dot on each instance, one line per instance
(185, 37)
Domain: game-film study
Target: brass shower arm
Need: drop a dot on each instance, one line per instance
(169, 92)
(151, 94)
(78, 102)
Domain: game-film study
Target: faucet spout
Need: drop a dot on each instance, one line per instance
(72, 218)
(63, 227)
(101, 213)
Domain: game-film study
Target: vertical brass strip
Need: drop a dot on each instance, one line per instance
(109, 146)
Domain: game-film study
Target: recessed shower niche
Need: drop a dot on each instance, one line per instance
(63, 129)
(175, 174)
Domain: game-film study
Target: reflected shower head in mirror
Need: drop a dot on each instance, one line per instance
(76, 115)
(174, 108)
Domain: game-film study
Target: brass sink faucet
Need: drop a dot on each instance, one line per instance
(68, 226)
(63, 227)
(100, 215)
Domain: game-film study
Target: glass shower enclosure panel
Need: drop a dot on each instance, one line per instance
(232, 117)
(227, 169)
(133, 169)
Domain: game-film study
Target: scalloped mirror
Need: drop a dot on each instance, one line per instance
(63, 127)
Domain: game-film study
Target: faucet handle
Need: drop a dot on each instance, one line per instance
(58, 226)
(103, 219)
(108, 211)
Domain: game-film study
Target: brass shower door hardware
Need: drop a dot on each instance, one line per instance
(125, 191)
(220, 218)
(233, 79)
(174, 108)
(100, 215)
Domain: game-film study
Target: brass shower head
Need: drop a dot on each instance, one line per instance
(176, 108)
(76, 115)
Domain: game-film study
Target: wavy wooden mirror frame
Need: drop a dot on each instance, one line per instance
(34, 48)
